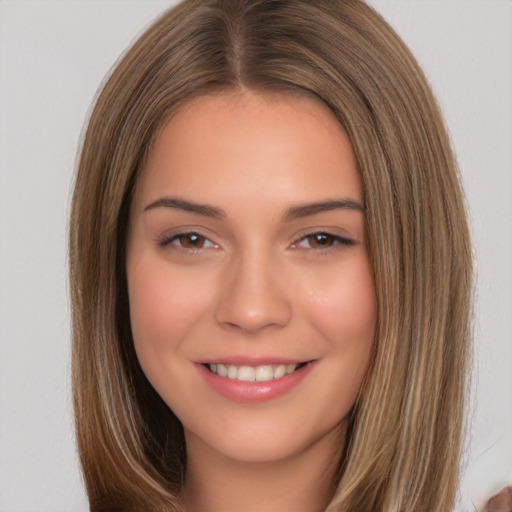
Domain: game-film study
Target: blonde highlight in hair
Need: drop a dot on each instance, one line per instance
(405, 434)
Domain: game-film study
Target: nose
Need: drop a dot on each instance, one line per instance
(253, 296)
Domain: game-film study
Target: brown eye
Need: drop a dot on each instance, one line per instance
(320, 240)
(191, 241)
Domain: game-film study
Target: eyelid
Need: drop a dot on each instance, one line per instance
(339, 239)
(167, 240)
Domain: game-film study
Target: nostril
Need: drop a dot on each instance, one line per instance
(252, 296)
(249, 316)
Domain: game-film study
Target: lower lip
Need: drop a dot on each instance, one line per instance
(254, 392)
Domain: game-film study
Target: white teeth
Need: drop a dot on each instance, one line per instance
(232, 371)
(246, 373)
(264, 373)
(222, 370)
(252, 373)
(280, 371)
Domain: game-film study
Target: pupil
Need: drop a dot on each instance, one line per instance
(320, 240)
(192, 240)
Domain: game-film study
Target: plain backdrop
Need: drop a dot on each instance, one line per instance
(53, 56)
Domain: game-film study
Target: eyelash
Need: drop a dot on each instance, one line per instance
(170, 239)
(332, 239)
(335, 240)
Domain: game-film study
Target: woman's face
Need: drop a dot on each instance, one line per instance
(252, 302)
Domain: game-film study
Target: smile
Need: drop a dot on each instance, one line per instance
(245, 383)
(263, 373)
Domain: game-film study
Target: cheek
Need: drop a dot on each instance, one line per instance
(339, 303)
(164, 306)
(344, 308)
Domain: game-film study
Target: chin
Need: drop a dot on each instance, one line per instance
(266, 442)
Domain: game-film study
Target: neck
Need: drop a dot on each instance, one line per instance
(302, 483)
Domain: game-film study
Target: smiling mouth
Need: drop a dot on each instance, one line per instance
(262, 373)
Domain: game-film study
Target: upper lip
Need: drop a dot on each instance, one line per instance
(254, 361)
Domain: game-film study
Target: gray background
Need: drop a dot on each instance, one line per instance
(53, 55)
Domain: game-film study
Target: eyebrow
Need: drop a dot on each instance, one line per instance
(188, 206)
(294, 212)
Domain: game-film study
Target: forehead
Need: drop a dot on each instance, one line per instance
(239, 142)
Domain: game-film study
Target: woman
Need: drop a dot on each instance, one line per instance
(218, 111)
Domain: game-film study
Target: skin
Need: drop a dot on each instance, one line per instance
(259, 280)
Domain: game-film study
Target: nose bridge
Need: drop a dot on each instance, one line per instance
(253, 296)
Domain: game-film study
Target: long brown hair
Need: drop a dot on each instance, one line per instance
(404, 440)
